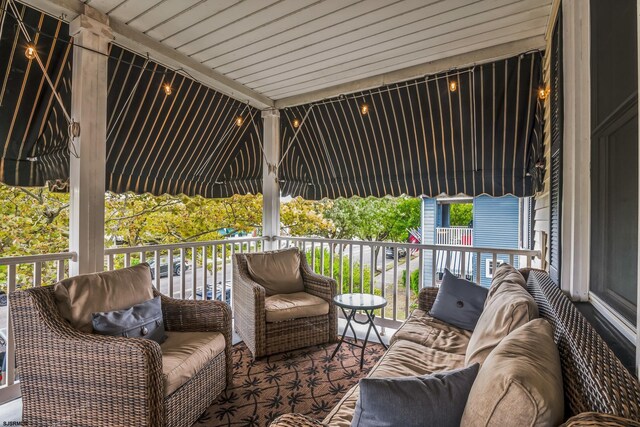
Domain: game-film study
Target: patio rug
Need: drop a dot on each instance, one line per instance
(305, 381)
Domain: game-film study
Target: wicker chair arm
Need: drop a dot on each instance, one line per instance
(122, 375)
(595, 419)
(295, 420)
(248, 307)
(426, 297)
(316, 284)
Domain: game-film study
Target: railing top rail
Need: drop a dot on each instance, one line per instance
(526, 252)
(27, 259)
(164, 247)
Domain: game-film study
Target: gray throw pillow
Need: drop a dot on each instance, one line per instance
(431, 400)
(459, 302)
(142, 320)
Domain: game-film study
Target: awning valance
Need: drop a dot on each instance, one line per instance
(423, 137)
(183, 143)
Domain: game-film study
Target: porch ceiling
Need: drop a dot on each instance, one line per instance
(284, 48)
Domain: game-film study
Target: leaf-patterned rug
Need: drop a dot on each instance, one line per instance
(305, 381)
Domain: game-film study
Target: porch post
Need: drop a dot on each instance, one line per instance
(270, 185)
(91, 34)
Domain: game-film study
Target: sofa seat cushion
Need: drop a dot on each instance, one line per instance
(520, 382)
(278, 272)
(80, 296)
(509, 308)
(424, 329)
(403, 359)
(184, 354)
(283, 307)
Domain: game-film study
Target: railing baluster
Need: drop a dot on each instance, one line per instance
(528, 261)
(204, 272)
(478, 262)
(361, 268)
(383, 284)
(511, 259)
(223, 289)
(183, 281)
(61, 270)
(495, 264)
(420, 269)
(214, 285)
(170, 276)
(395, 283)
(463, 264)
(351, 268)
(331, 256)
(407, 284)
(11, 343)
(341, 268)
(110, 262)
(313, 256)
(127, 259)
(194, 273)
(37, 274)
(321, 258)
(158, 268)
(434, 266)
(372, 268)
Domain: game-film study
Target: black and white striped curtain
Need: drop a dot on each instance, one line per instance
(420, 137)
(184, 143)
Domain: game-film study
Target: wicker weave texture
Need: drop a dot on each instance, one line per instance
(71, 378)
(263, 338)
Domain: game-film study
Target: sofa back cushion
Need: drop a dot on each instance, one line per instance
(80, 296)
(509, 308)
(505, 273)
(277, 272)
(520, 382)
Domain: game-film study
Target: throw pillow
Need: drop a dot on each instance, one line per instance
(510, 308)
(431, 400)
(459, 302)
(277, 272)
(520, 382)
(142, 320)
(503, 274)
(79, 296)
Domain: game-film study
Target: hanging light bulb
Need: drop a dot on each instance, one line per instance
(364, 109)
(239, 121)
(167, 89)
(543, 93)
(453, 86)
(30, 53)
(295, 123)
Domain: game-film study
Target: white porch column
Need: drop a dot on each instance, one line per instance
(576, 150)
(270, 185)
(88, 108)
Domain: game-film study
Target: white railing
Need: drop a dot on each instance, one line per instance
(356, 267)
(454, 236)
(203, 270)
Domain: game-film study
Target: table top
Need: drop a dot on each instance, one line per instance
(360, 301)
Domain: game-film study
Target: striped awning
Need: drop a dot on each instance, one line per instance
(421, 137)
(184, 143)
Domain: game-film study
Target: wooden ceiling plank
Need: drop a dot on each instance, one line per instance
(448, 22)
(104, 6)
(160, 14)
(462, 28)
(231, 50)
(362, 14)
(130, 8)
(408, 60)
(278, 13)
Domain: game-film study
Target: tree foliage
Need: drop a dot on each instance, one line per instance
(460, 214)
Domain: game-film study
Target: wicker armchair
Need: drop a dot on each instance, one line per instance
(265, 338)
(73, 378)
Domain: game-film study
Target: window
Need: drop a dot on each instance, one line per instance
(488, 270)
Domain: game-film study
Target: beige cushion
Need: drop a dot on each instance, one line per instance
(505, 273)
(278, 272)
(403, 359)
(184, 354)
(294, 306)
(77, 297)
(520, 383)
(509, 308)
(433, 333)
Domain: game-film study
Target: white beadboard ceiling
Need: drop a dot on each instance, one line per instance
(283, 48)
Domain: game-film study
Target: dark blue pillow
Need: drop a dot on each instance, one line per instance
(430, 400)
(459, 302)
(143, 320)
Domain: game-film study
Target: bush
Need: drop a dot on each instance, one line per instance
(325, 270)
(414, 280)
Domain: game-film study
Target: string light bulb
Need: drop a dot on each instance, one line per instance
(453, 86)
(167, 89)
(295, 123)
(543, 93)
(239, 121)
(364, 109)
(30, 52)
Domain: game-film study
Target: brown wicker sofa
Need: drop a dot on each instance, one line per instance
(598, 389)
(265, 338)
(74, 378)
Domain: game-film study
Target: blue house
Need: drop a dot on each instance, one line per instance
(496, 224)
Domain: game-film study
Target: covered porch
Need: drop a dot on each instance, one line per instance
(316, 99)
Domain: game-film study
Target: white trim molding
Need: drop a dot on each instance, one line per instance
(576, 150)
(618, 322)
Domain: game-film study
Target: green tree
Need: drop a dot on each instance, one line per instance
(460, 214)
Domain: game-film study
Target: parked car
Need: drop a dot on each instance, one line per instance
(389, 252)
(227, 293)
(164, 268)
(3, 299)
